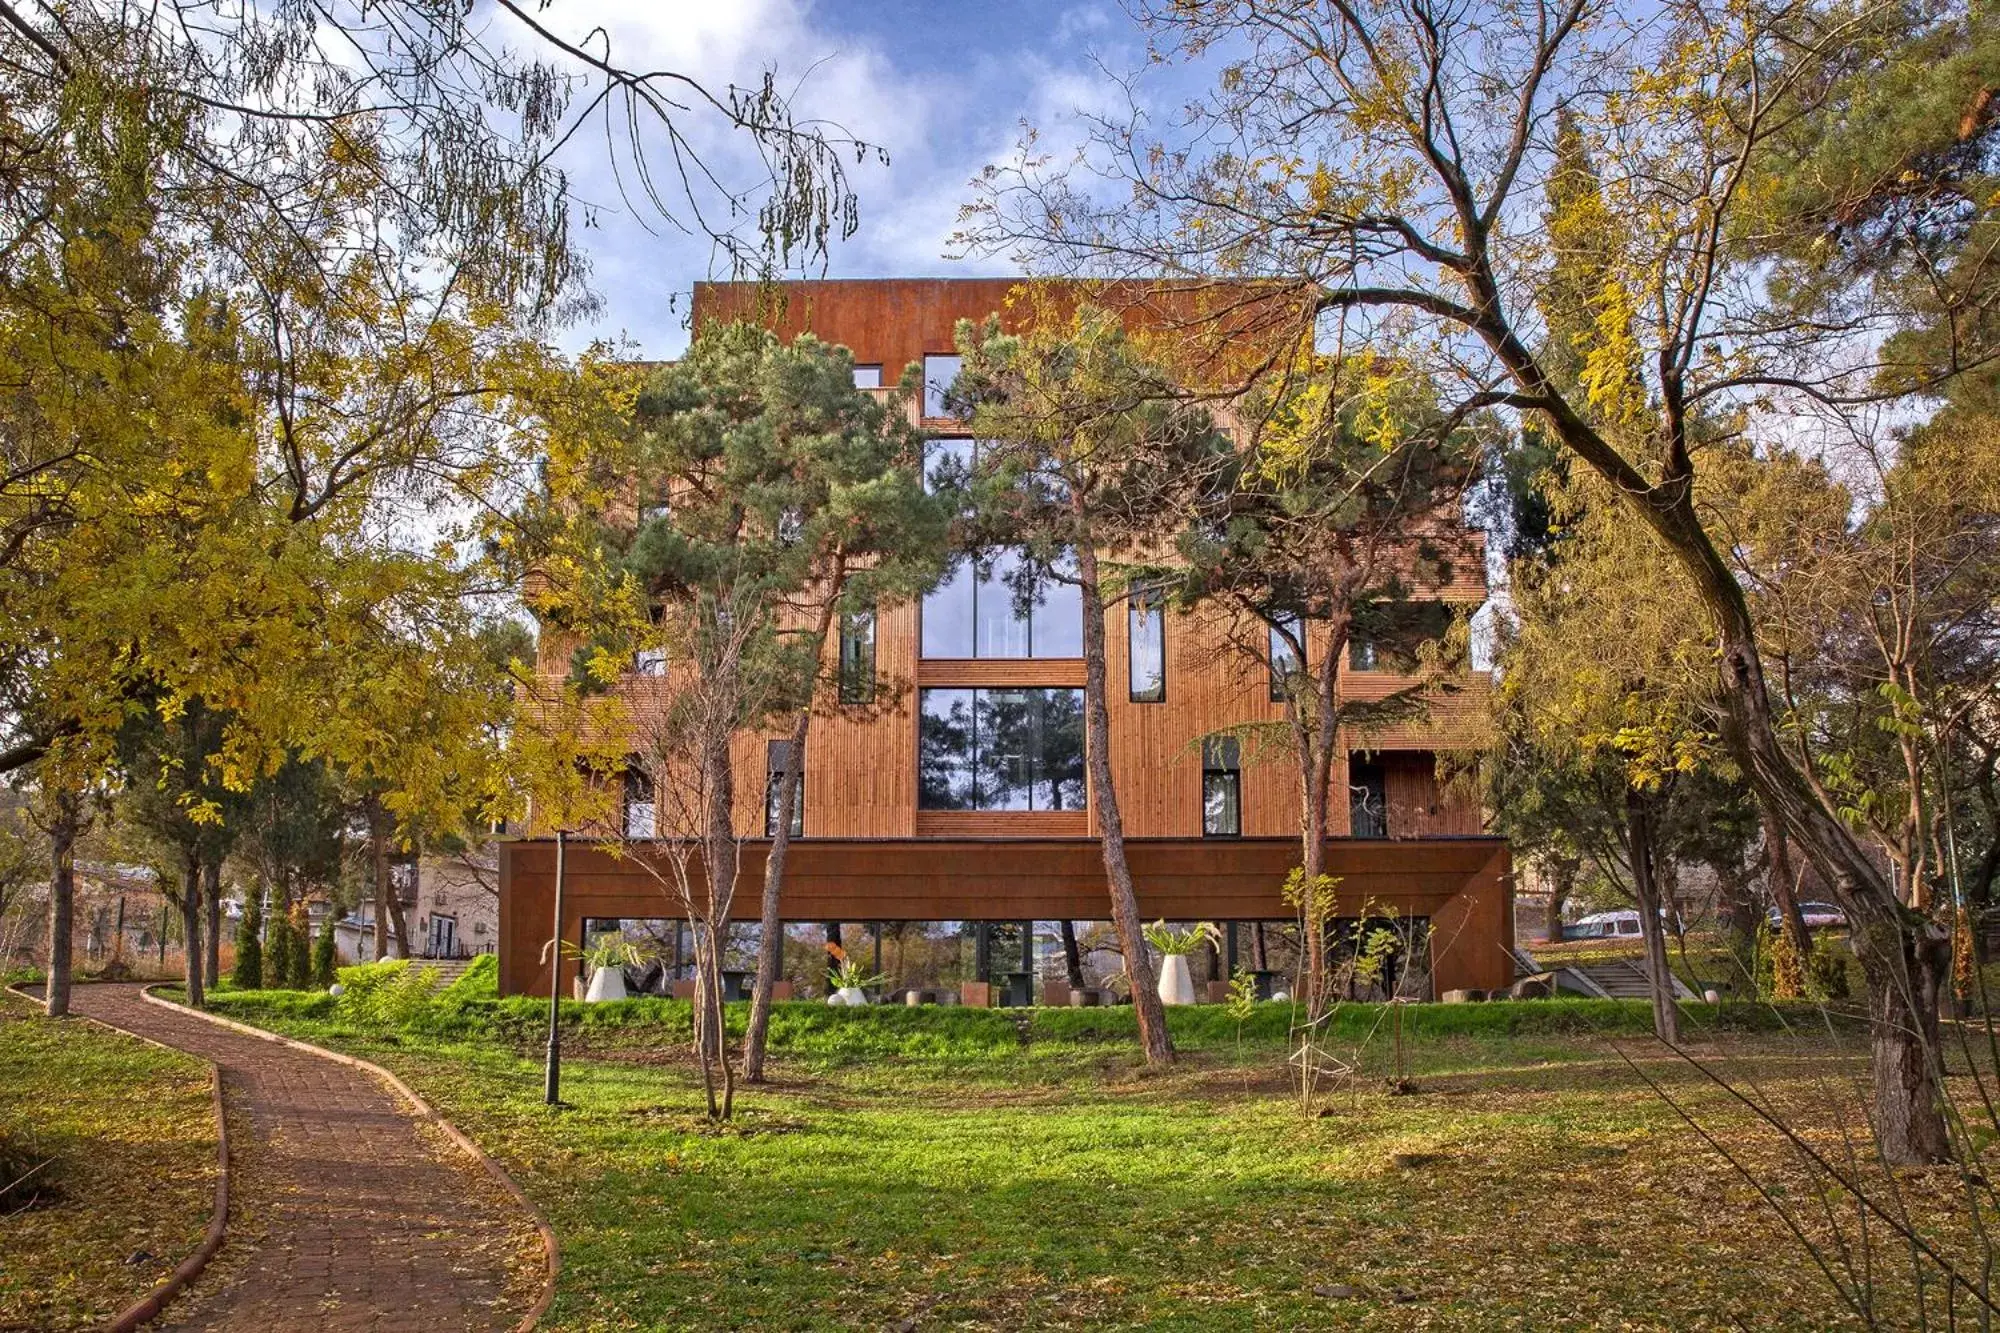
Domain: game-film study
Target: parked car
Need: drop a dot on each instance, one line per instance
(1818, 916)
(1622, 924)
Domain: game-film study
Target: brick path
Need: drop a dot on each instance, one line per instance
(345, 1211)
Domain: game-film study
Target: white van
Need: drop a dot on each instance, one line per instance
(1622, 924)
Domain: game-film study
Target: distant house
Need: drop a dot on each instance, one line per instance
(450, 904)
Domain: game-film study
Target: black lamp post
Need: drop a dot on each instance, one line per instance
(552, 1085)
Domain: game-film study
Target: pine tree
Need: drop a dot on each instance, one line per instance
(323, 954)
(249, 974)
(278, 949)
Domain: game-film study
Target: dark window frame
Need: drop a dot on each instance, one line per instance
(857, 687)
(942, 414)
(1281, 647)
(1362, 654)
(1146, 603)
(640, 790)
(1222, 761)
(1358, 796)
(777, 760)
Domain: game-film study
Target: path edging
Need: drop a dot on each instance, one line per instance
(185, 1272)
(551, 1251)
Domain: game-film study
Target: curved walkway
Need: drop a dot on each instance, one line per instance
(345, 1211)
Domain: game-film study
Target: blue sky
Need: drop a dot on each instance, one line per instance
(943, 86)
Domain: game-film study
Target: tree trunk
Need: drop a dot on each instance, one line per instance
(211, 887)
(1154, 1038)
(378, 857)
(1314, 737)
(1562, 881)
(1652, 930)
(1072, 956)
(62, 900)
(1260, 957)
(720, 856)
(191, 924)
(1784, 883)
(771, 945)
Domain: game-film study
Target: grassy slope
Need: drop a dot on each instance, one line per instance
(962, 1172)
(131, 1131)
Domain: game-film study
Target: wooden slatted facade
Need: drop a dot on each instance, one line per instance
(869, 852)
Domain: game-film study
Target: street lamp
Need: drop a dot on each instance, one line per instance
(552, 1084)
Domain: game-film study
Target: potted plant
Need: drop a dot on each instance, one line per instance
(1176, 982)
(605, 959)
(847, 981)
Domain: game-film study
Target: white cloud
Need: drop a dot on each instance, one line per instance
(939, 129)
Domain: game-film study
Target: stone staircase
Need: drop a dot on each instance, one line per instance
(1614, 979)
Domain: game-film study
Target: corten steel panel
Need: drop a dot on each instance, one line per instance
(1462, 884)
(893, 322)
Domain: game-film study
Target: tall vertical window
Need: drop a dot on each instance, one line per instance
(1287, 635)
(868, 377)
(639, 813)
(940, 373)
(1000, 749)
(1361, 654)
(1367, 801)
(1221, 787)
(997, 604)
(777, 763)
(857, 656)
(1147, 667)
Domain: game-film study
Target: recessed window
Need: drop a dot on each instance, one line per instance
(778, 762)
(791, 525)
(1361, 654)
(652, 513)
(1367, 801)
(940, 373)
(1147, 668)
(1287, 638)
(650, 661)
(1000, 749)
(1221, 787)
(868, 377)
(639, 813)
(857, 656)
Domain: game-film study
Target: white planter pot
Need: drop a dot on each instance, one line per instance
(848, 995)
(1176, 983)
(606, 983)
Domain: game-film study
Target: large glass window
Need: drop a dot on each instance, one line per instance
(1003, 607)
(1000, 749)
(857, 656)
(777, 762)
(868, 377)
(998, 605)
(940, 372)
(639, 821)
(1287, 636)
(1361, 654)
(1221, 787)
(1147, 623)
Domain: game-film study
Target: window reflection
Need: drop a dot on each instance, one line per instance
(1001, 749)
(940, 372)
(1147, 635)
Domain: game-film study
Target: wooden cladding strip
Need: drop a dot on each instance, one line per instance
(1002, 824)
(973, 672)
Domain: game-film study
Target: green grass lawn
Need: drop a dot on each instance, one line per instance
(976, 1170)
(128, 1134)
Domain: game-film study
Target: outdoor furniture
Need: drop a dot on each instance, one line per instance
(1090, 997)
(1055, 994)
(919, 995)
(1215, 992)
(1020, 990)
(976, 995)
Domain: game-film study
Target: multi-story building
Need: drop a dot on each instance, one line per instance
(907, 816)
